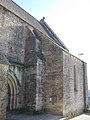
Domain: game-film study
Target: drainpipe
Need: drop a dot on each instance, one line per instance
(84, 87)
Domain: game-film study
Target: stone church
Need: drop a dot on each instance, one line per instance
(37, 72)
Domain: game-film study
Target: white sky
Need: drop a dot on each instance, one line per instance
(70, 19)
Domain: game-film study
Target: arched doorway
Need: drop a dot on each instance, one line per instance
(11, 93)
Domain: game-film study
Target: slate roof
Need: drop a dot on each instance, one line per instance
(41, 26)
(52, 34)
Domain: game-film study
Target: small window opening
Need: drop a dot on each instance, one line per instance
(75, 79)
(11, 49)
(38, 45)
(53, 99)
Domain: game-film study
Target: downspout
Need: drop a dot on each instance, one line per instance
(84, 87)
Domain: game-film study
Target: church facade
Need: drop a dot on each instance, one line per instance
(37, 72)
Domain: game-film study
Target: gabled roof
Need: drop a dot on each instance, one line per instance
(41, 26)
(52, 34)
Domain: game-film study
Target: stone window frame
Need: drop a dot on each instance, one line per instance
(53, 99)
(75, 79)
(38, 45)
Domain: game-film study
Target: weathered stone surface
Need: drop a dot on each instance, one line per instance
(52, 76)
(11, 6)
(30, 72)
(43, 76)
(39, 87)
(73, 100)
(12, 41)
(3, 90)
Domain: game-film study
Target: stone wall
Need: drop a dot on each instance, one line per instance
(53, 80)
(17, 42)
(22, 14)
(39, 87)
(73, 85)
(85, 79)
(30, 73)
(3, 90)
(15, 38)
(52, 76)
(12, 36)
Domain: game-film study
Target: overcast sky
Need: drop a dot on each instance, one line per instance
(70, 19)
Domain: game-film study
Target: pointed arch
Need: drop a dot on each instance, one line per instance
(12, 91)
